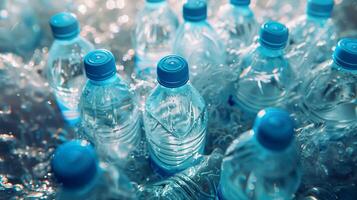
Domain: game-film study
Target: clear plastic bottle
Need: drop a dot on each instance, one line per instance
(265, 77)
(65, 71)
(197, 41)
(175, 117)
(19, 28)
(331, 97)
(329, 103)
(313, 35)
(236, 25)
(109, 111)
(197, 182)
(262, 163)
(153, 38)
(75, 165)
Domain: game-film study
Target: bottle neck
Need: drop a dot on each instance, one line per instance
(108, 81)
(68, 41)
(339, 69)
(270, 52)
(154, 5)
(317, 19)
(173, 90)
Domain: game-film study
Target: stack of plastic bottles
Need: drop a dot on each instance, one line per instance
(178, 99)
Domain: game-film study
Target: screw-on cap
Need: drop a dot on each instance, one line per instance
(240, 2)
(74, 164)
(64, 25)
(320, 8)
(195, 10)
(172, 71)
(99, 65)
(273, 35)
(274, 129)
(345, 54)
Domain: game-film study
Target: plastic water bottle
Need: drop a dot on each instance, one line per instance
(19, 28)
(75, 165)
(109, 111)
(198, 182)
(262, 163)
(154, 35)
(236, 25)
(197, 41)
(265, 77)
(65, 72)
(329, 103)
(175, 117)
(313, 35)
(331, 97)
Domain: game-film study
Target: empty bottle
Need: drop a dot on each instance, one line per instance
(65, 71)
(313, 35)
(175, 117)
(331, 96)
(262, 163)
(198, 43)
(154, 35)
(265, 77)
(109, 111)
(197, 182)
(19, 28)
(329, 103)
(75, 165)
(236, 25)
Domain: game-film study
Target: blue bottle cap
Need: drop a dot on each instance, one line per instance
(273, 35)
(74, 164)
(195, 11)
(319, 8)
(240, 2)
(172, 71)
(99, 65)
(274, 129)
(64, 26)
(345, 54)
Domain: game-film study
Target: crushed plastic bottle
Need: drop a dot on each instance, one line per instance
(65, 71)
(109, 112)
(76, 166)
(262, 163)
(236, 25)
(153, 36)
(175, 117)
(198, 182)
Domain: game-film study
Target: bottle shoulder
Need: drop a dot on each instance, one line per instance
(107, 94)
(76, 46)
(184, 96)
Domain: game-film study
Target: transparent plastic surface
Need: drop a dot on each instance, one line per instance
(175, 124)
(311, 42)
(237, 27)
(65, 74)
(265, 79)
(249, 171)
(153, 36)
(110, 118)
